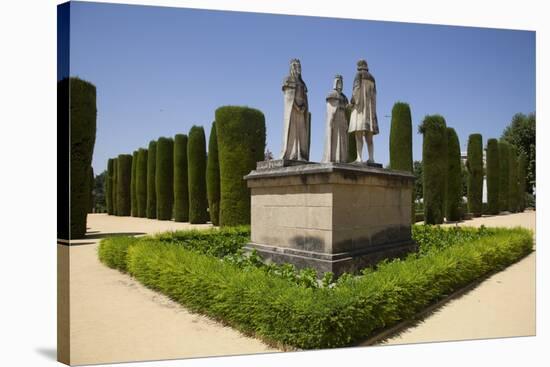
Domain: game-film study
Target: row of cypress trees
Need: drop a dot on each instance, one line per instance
(174, 178)
(442, 173)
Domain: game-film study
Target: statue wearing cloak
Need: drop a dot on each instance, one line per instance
(336, 133)
(296, 116)
(363, 120)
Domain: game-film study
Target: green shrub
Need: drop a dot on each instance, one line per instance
(164, 178)
(434, 158)
(133, 192)
(196, 162)
(401, 157)
(298, 314)
(113, 251)
(141, 182)
(513, 204)
(124, 173)
(493, 173)
(115, 186)
(504, 179)
(453, 197)
(213, 177)
(522, 183)
(109, 187)
(241, 143)
(83, 113)
(181, 184)
(474, 165)
(151, 188)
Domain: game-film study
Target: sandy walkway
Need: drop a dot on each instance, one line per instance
(115, 319)
(502, 306)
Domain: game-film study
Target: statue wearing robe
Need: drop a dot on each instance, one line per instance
(363, 119)
(336, 130)
(296, 115)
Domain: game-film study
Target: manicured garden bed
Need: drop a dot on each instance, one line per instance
(207, 273)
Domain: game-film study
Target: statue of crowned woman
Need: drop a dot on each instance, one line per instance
(336, 128)
(296, 115)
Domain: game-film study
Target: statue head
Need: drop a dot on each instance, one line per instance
(362, 65)
(295, 68)
(338, 83)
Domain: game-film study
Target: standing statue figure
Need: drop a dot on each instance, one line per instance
(336, 133)
(363, 120)
(296, 115)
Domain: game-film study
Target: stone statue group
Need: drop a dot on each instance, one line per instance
(362, 122)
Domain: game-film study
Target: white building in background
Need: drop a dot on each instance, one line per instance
(463, 158)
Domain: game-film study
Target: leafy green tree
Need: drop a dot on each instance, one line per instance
(151, 187)
(196, 163)
(503, 188)
(521, 133)
(418, 178)
(493, 174)
(100, 205)
(141, 182)
(474, 165)
(181, 184)
(454, 179)
(213, 177)
(522, 184)
(434, 159)
(124, 175)
(164, 178)
(133, 193)
(513, 193)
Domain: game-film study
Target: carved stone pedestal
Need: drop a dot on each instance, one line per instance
(330, 216)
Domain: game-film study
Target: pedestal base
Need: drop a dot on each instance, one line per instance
(330, 216)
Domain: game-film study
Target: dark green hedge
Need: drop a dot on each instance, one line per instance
(133, 192)
(493, 174)
(124, 175)
(434, 158)
(91, 192)
(141, 182)
(474, 165)
(115, 186)
(401, 157)
(453, 198)
(109, 187)
(241, 143)
(213, 177)
(522, 183)
(504, 179)
(513, 193)
(151, 187)
(280, 311)
(196, 163)
(164, 178)
(83, 113)
(181, 189)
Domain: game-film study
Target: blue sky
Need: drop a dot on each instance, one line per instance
(160, 70)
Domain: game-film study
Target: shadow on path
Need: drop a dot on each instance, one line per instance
(91, 235)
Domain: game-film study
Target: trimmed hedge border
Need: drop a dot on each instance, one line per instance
(286, 314)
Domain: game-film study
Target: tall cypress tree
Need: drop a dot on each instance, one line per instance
(151, 187)
(141, 183)
(83, 113)
(124, 175)
(91, 196)
(181, 189)
(196, 161)
(109, 187)
(454, 177)
(522, 183)
(164, 181)
(115, 186)
(504, 159)
(493, 174)
(401, 157)
(434, 159)
(213, 177)
(241, 143)
(513, 180)
(474, 164)
(133, 185)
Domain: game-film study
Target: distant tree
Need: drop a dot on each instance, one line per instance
(417, 170)
(521, 133)
(493, 177)
(453, 197)
(474, 165)
(99, 192)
